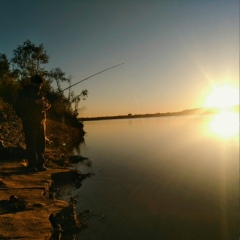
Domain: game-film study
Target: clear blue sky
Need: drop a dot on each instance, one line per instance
(174, 51)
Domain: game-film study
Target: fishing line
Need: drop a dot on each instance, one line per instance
(91, 76)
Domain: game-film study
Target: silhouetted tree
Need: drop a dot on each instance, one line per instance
(8, 85)
(28, 59)
(58, 76)
(4, 66)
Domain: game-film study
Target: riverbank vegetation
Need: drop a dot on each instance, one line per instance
(29, 59)
(61, 137)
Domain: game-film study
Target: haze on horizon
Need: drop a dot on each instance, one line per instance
(175, 52)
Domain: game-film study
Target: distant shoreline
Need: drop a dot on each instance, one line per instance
(195, 111)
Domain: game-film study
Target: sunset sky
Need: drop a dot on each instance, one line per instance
(174, 52)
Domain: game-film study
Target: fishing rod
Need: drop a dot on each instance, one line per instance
(91, 77)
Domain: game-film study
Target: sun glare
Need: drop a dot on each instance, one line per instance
(223, 97)
(225, 124)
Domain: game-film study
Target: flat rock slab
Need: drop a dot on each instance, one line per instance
(31, 222)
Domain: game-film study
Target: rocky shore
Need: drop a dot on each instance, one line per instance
(29, 204)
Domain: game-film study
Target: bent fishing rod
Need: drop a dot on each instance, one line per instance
(90, 77)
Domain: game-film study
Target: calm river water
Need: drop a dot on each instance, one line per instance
(161, 178)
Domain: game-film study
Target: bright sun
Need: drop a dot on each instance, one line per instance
(223, 97)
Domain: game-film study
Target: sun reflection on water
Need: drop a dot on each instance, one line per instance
(225, 124)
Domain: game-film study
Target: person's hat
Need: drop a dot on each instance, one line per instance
(36, 79)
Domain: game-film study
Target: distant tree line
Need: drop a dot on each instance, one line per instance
(194, 111)
(29, 59)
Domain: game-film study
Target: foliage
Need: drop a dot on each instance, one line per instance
(10, 127)
(8, 85)
(4, 66)
(59, 76)
(28, 59)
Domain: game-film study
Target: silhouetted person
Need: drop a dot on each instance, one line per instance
(30, 108)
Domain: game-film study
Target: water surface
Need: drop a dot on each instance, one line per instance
(160, 178)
